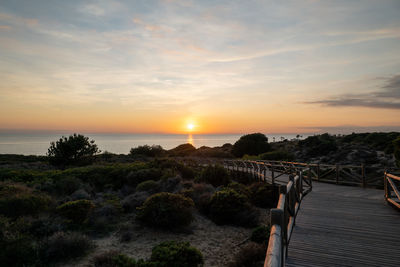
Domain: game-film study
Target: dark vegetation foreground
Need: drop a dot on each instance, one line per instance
(55, 208)
(55, 215)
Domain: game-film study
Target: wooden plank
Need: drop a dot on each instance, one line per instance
(345, 226)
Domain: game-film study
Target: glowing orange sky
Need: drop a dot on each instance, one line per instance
(260, 66)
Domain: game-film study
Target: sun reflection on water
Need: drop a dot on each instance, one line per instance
(190, 139)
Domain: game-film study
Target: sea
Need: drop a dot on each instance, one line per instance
(38, 143)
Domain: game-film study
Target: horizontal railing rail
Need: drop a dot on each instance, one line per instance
(392, 191)
(355, 175)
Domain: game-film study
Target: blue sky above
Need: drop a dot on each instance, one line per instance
(210, 60)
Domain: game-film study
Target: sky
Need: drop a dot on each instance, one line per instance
(222, 66)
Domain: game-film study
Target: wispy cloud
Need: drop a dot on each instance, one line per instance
(388, 97)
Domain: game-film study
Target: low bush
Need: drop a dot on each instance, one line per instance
(76, 211)
(318, 145)
(148, 186)
(251, 255)
(116, 259)
(277, 155)
(177, 254)
(105, 259)
(264, 195)
(131, 202)
(215, 175)
(229, 207)
(166, 210)
(19, 251)
(66, 185)
(186, 172)
(146, 150)
(182, 150)
(260, 234)
(65, 246)
(201, 195)
(240, 188)
(17, 200)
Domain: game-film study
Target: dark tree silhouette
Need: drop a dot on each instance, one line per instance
(73, 150)
(251, 144)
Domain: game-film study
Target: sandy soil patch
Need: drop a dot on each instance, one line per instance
(218, 244)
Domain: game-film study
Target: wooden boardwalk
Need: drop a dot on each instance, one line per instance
(345, 226)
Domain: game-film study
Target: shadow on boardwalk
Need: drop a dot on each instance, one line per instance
(345, 226)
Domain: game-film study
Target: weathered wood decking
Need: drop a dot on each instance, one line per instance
(345, 226)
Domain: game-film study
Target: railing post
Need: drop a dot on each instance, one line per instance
(301, 184)
(277, 217)
(387, 190)
(337, 173)
(364, 182)
(265, 173)
(318, 172)
(272, 174)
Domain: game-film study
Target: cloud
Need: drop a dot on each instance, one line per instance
(387, 98)
(347, 129)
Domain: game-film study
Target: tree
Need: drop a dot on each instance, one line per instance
(251, 144)
(73, 150)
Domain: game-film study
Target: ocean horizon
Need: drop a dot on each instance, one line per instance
(118, 143)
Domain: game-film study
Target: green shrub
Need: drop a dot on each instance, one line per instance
(240, 188)
(260, 234)
(186, 172)
(229, 207)
(67, 185)
(177, 254)
(318, 145)
(251, 144)
(76, 211)
(182, 150)
(17, 200)
(148, 186)
(146, 150)
(115, 175)
(264, 195)
(166, 210)
(251, 255)
(19, 251)
(277, 155)
(65, 246)
(215, 175)
(117, 259)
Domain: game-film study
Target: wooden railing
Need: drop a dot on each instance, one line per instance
(291, 193)
(355, 175)
(283, 219)
(392, 192)
(301, 175)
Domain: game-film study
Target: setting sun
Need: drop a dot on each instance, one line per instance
(190, 126)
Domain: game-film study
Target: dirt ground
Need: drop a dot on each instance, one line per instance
(218, 244)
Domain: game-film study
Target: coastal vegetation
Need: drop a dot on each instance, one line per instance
(55, 210)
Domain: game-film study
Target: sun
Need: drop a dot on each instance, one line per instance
(190, 126)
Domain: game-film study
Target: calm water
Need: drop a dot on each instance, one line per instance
(38, 143)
